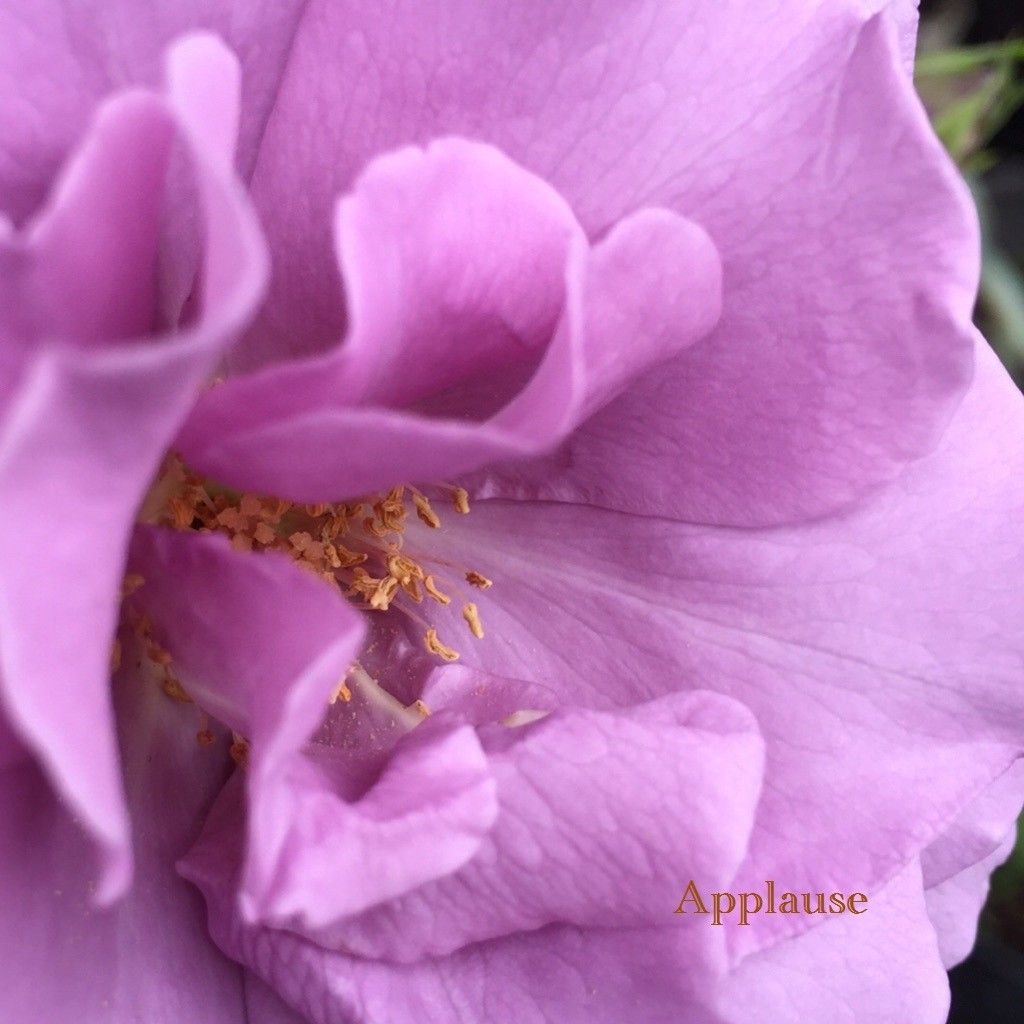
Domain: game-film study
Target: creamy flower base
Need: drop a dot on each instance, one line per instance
(679, 297)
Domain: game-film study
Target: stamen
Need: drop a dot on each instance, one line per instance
(158, 655)
(376, 695)
(205, 737)
(264, 534)
(472, 617)
(372, 526)
(115, 655)
(239, 750)
(431, 589)
(381, 597)
(180, 512)
(341, 693)
(524, 717)
(403, 569)
(300, 541)
(425, 512)
(434, 645)
(131, 583)
(460, 499)
(173, 689)
(276, 508)
(250, 505)
(348, 559)
(477, 580)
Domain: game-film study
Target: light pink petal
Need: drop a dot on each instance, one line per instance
(839, 356)
(84, 431)
(602, 976)
(978, 830)
(848, 241)
(958, 864)
(876, 650)
(662, 793)
(873, 968)
(261, 646)
(265, 1006)
(876, 967)
(470, 341)
(150, 957)
(59, 59)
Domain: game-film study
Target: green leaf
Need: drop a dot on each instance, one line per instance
(965, 59)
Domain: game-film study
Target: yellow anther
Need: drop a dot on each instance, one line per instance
(404, 569)
(460, 499)
(206, 738)
(232, 519)
(240, 542)
(275, 508)
(250, 505)
(375, 528)
(431, 588)
(424, 511)
(391, 511)
(159, 655)
(383, 595)
(412, 588)
(314, 552)
(131, 582)
(317, 510)
(434, 645)
(239, 750)
(477, 580)
(335, 527)
(264, 534)
(180, 512)
(472, 617)
(300, 541)
(349, 559)
(341, 693)
(421, 709)
(173, 689)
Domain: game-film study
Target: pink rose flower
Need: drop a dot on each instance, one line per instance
(469, 470)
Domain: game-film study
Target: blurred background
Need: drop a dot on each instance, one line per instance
(970, 73)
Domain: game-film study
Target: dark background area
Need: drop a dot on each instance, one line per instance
(988, 988)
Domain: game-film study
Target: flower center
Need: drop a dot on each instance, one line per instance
(371, 549)
(362, 547)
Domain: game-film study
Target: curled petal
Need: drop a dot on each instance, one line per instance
(88, 421)
(659, 794)
(469, 341)
(260, 645)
